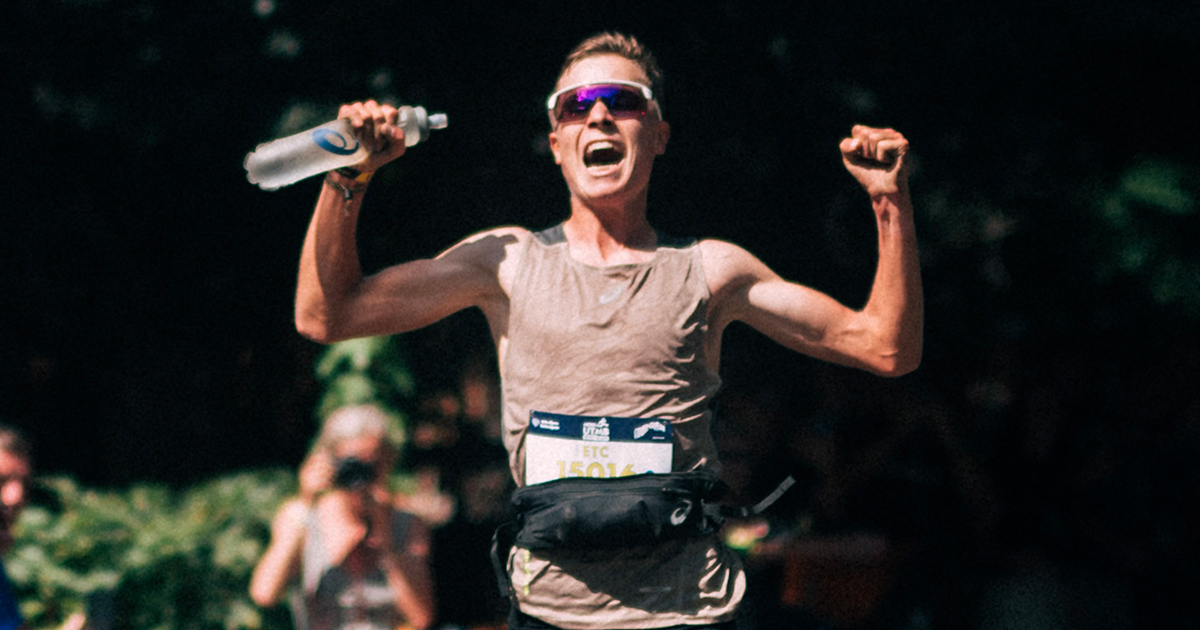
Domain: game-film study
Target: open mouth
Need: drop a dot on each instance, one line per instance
(602, 153)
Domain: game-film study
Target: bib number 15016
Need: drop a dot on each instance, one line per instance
(592, 469)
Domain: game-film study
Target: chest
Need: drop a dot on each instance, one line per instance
(556, 296)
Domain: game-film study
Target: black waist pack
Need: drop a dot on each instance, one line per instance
(588, 513)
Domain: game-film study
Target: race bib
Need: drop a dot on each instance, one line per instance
(560, 446)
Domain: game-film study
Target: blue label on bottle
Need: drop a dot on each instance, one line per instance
(334, 142)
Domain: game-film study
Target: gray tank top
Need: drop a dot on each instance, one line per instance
(626, 341)
(330, 598)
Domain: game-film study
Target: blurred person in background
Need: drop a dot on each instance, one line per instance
(16, 475)
(16, 468)
(350, 558)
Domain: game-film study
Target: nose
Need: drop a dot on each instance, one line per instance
(599, 114)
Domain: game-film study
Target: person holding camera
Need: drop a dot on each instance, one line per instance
(352, 559)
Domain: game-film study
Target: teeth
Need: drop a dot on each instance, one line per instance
(600, 146)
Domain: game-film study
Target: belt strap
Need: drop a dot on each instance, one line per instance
(502, 542)
(758, 508)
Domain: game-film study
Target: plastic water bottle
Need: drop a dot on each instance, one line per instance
(332, 145)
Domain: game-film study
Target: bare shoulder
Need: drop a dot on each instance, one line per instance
(495, 251)
(490, 243)
(727, 265)
(733, 275)
(715, 249)
(502, 232)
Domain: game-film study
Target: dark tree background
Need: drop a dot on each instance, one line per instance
(146, 331)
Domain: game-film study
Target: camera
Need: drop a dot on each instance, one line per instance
(353, 473)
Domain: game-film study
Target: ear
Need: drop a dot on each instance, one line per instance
(555, 149)
(663, 136)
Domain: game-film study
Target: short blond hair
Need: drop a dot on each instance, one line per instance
(627, 46)
(358, 421)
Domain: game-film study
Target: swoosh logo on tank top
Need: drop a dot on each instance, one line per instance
(611, 295)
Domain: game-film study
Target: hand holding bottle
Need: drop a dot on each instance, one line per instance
(376, 128)
(365, 136)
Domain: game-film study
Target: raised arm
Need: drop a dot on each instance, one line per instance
(885, 336)
(280, 563)
(334, 301)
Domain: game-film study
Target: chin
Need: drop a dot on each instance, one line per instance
(614, 184)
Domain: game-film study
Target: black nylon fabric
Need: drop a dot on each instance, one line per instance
(586, 513)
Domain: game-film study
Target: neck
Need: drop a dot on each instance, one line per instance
(609, 237)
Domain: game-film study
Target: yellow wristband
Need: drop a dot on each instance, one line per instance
(354, 174)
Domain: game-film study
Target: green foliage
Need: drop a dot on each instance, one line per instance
(167, 559)
(163, 558)
(1148, 232)
(371, 370)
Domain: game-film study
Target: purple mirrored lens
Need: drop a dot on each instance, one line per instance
(621, 101)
